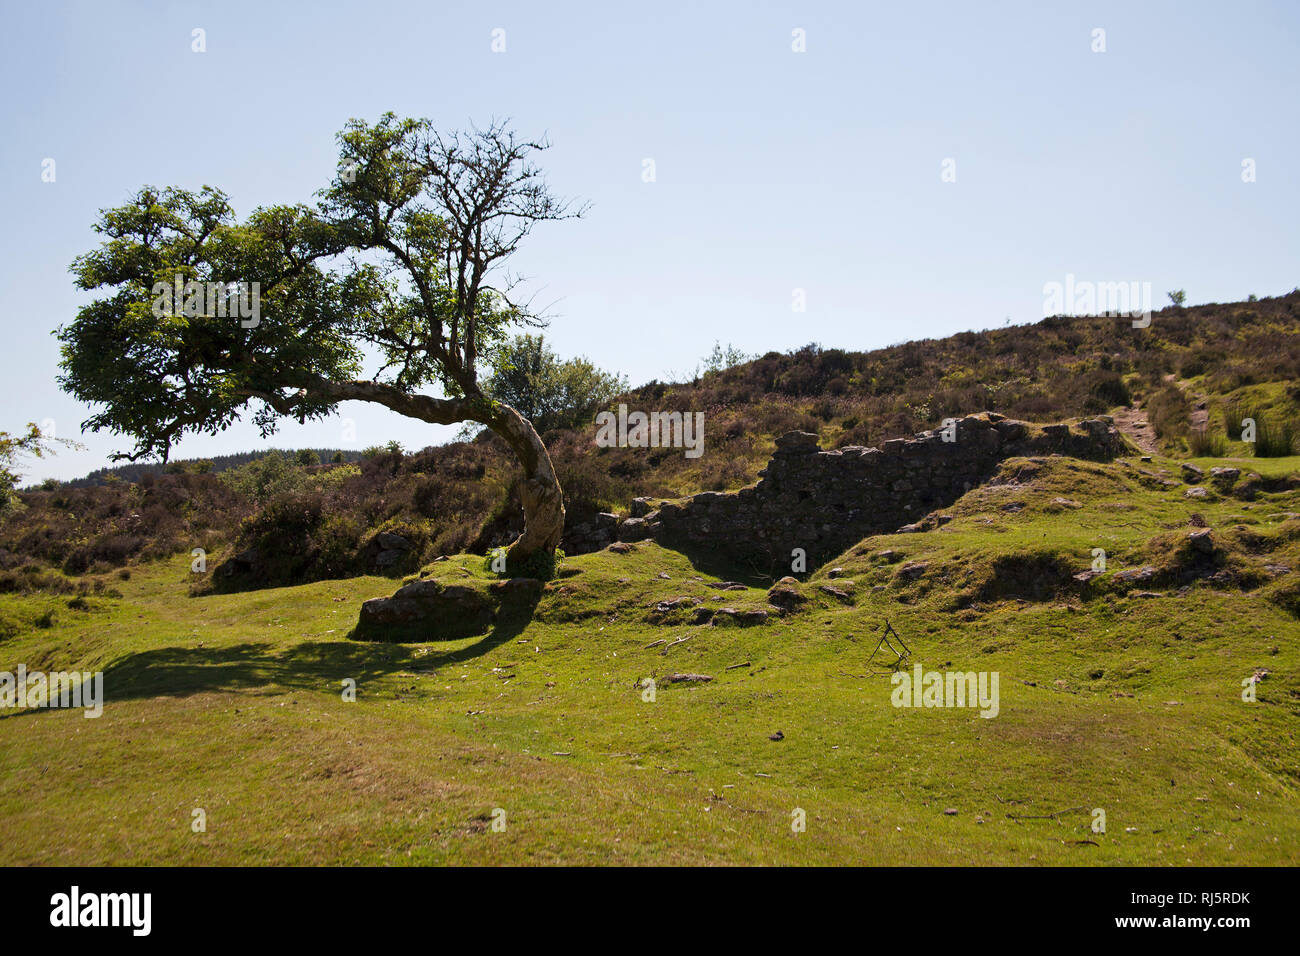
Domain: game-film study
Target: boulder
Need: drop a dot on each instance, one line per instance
(740, 618)
(1202, 541)
(245, 562)
(1224, 478)
(427, 611)
(912, 570)
(389, 541)
(785, 594)
(675, 604)
(1144, 573)
(639, 508)
(516, 594)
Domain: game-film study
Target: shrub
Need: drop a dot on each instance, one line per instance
(549, 391)
(1168, 412)
(1204, 443)
(1107, 389)
(539, 565)
(1273, 439)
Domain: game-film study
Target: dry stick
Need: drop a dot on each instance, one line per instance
(653, 644)
(734, 666)
(1050, 816)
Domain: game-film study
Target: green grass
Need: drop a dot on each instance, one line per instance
(231, 703)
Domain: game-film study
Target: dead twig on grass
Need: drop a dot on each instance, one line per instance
(1050, 816)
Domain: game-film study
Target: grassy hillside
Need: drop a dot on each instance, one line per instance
(1188, 378)
(1118, 695)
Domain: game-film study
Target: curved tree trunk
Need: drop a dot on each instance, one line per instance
(542, 497)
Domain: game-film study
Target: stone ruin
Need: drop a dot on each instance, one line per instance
(820, 501)
(824, 501)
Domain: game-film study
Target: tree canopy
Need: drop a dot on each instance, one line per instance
(549, 391)
(200, 313)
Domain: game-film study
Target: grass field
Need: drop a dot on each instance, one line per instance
(1124, 699)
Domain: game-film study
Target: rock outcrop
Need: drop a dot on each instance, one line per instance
(430, 610)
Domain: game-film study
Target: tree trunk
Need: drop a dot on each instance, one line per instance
(542, 497)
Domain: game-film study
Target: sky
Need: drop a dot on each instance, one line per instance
(915, 170)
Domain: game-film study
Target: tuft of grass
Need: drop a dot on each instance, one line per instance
(1275, 436)
(1204, 443)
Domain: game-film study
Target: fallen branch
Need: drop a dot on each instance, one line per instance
(1050, 816)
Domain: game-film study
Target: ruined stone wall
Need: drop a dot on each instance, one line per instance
(825, 501)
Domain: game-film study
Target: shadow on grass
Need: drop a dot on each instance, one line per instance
(272, 669)
(719, 564)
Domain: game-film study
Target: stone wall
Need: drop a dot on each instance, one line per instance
(825, 501)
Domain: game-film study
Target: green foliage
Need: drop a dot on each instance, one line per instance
(549, 391)
(397, 257)
(1169, 412)
(306, 457)
(192, 373)
(13, 449)
(720, 359)
(1178, 297)
(276, 474)
(265, 477)
(539, 565)
(386, 450)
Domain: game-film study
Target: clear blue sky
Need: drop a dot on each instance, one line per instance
(775, 170)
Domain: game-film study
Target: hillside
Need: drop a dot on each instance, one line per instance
(1120, 692)
(1192, 368)
(134, 471)
(1137, 607)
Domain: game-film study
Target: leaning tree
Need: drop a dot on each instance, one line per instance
(401, 260)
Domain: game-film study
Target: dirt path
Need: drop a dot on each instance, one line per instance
(1132, 421)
